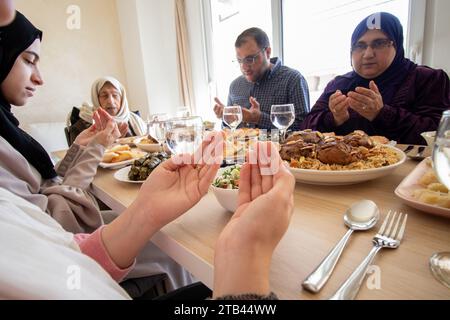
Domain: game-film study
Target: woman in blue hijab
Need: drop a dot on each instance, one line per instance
(386, 94)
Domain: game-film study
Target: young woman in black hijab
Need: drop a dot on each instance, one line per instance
(19, 42)
(25, 167)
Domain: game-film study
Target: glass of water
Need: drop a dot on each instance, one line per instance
(157, 127)
(232, 117)
(184, 135)
(440, 262)
(282, 117)
(183, 112)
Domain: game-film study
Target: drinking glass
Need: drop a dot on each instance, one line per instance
(232, 117)
(184, 135)
(282, 117)
(183, 112)
(440, 262)
(157, 128)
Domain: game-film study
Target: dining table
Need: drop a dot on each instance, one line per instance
(316, 226)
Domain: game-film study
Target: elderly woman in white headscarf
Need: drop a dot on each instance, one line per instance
(108, 93)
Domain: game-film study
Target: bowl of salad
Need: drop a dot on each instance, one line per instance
(226, 187)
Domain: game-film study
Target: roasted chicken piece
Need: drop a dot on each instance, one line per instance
(336, 152)
(359, 139)
(297, 149)
(307, 136)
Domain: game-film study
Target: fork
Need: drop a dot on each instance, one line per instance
(387, 237)
(419, 155)
(408, 149)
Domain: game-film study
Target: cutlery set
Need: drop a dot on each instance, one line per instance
(389, 236)
(419, 155)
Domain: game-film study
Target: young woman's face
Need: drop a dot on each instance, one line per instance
(24, 77)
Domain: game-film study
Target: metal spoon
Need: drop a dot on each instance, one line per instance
(362, 215)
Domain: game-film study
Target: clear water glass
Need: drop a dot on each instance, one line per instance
(184, 135)
(282, 117)
(183, 112)
(157, 127)
(440, 262)
(232, 117)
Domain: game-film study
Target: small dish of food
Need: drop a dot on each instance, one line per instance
(422, 190)
(142, 168)
(120, 156)
(429, 138)
(127, 141)
(148, 144)
(209, 125)
(226, 187)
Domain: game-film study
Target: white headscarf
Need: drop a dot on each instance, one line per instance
(124, 115)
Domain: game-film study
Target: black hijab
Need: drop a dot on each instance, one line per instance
(390, 80)
(15, 39)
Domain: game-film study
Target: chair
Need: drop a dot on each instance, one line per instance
(72, 118)
(146, 288)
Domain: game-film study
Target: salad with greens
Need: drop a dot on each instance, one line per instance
(229, 179)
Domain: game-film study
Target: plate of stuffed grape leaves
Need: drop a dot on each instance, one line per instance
(141, 168)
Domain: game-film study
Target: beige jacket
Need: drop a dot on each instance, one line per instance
(66, 198)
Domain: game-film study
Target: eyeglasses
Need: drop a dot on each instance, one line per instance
(376, 45)
(250, 60)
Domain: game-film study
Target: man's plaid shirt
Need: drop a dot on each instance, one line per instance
(280, 85)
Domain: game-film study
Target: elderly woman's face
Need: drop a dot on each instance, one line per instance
(110, 99)
(373, 54)
(24, 77)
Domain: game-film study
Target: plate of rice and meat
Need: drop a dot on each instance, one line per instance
(326, 159)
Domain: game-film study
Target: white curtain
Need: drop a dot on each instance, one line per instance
(184, 57)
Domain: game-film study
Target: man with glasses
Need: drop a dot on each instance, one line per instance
(264, 82)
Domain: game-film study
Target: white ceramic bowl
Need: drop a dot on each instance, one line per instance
(429, 138)
(228, 198)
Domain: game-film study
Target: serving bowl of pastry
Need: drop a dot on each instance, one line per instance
(326, 159)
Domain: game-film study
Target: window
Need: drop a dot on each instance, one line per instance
(317, 34)
(228, 19)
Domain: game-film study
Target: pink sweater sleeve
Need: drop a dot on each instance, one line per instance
(92, 246)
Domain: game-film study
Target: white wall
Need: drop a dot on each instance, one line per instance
(437, 35)
(148, 29)
(71, 59)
